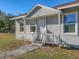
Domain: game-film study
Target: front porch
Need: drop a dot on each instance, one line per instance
(42, 31)
(44, 24)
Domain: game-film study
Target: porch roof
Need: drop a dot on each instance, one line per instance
(40, 10)
(22, 16)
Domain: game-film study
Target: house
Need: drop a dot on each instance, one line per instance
(59, 25)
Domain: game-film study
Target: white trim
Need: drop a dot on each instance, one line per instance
(24, 27)
(21, 26)
(17, 17)
(39, 5)
(59, 19)
(59, 22)
(35, 21)
(43, 16)
(76, 27)
(68, 6)
(76, 24)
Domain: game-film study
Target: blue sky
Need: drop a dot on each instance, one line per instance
(17, 7)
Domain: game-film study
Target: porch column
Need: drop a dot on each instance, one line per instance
(59, 24)
(44, 41)
(24, 27)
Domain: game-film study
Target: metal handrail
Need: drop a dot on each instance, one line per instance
(54, 36)
(60, 40)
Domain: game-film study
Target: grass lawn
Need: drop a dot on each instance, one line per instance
(8, 42)
(51, 53)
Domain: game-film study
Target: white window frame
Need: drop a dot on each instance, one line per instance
(33, 25)
(76, 25)
(27, 22)
(21, 26)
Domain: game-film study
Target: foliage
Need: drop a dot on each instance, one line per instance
(1, 24)
(5, 24)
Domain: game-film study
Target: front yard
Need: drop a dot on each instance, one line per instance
(8, 42)
(51, 53)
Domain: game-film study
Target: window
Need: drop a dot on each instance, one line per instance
(32, 25)
(21, 26)
(69, 22)
(27, 22)
(32, 28)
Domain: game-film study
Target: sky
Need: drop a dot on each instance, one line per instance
(17, 7)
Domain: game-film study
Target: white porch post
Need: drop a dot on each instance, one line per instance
(59, 24)
(44, 40)
(24, 27)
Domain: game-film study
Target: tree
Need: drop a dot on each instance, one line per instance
(5, 23)
(2, 25)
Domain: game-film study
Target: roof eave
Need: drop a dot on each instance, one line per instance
(17, 17)
(68, 6)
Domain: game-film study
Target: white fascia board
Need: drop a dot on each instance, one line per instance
(17, 17)
(42, 6)
(68, 6)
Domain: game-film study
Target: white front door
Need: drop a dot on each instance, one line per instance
(41, 29)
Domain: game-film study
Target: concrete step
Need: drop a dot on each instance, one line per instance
(37, 44)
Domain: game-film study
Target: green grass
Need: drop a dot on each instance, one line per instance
(7, 36)
(8, 42)
(51, 53)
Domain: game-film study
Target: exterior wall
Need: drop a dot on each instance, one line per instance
(36, 22)
(72, 39)
(53, 28)
(52, 24)
(28, 35)
(41, 29)
(19, 35)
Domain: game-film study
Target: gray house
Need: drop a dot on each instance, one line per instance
(59, 25)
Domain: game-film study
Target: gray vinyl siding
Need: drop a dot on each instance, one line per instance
(53, 27)
(19, 35)
(28, 34)
(52, 24)
(70, 39)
